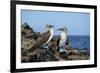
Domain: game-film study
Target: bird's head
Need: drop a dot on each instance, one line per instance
(63, 29)
(48, 26)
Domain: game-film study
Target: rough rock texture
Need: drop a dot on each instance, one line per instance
(41, 54)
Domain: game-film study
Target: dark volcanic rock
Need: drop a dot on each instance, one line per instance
(28, 39)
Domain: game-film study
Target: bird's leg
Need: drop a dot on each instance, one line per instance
(62, 49)
(46, 46)
(65, 50)
(63, 53)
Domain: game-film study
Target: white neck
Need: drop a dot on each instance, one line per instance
(51, 35)
(46, 28)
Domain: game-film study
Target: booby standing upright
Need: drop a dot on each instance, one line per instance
(45, 37)
(63, 41)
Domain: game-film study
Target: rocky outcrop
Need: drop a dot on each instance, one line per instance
(41, 54)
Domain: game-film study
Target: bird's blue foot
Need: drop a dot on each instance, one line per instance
(62, 49)
(46, 46)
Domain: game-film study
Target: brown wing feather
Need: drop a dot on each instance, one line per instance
(44, 37)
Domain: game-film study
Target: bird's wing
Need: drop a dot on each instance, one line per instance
(58, 41)
(44, 38)
(67, 41)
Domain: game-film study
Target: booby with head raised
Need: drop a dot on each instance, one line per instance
(46, 36)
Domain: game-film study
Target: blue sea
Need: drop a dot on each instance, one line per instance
(79, 41)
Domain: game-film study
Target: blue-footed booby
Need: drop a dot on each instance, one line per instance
(46, 36)
(63, 40)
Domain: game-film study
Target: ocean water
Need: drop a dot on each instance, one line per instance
(79, 41)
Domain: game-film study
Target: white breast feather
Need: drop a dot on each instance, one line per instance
(63, 39)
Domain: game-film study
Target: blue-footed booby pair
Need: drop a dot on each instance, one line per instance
(48, 35)
(45, 38)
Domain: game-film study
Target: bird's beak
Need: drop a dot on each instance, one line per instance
(51, 26)
(60, 29)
